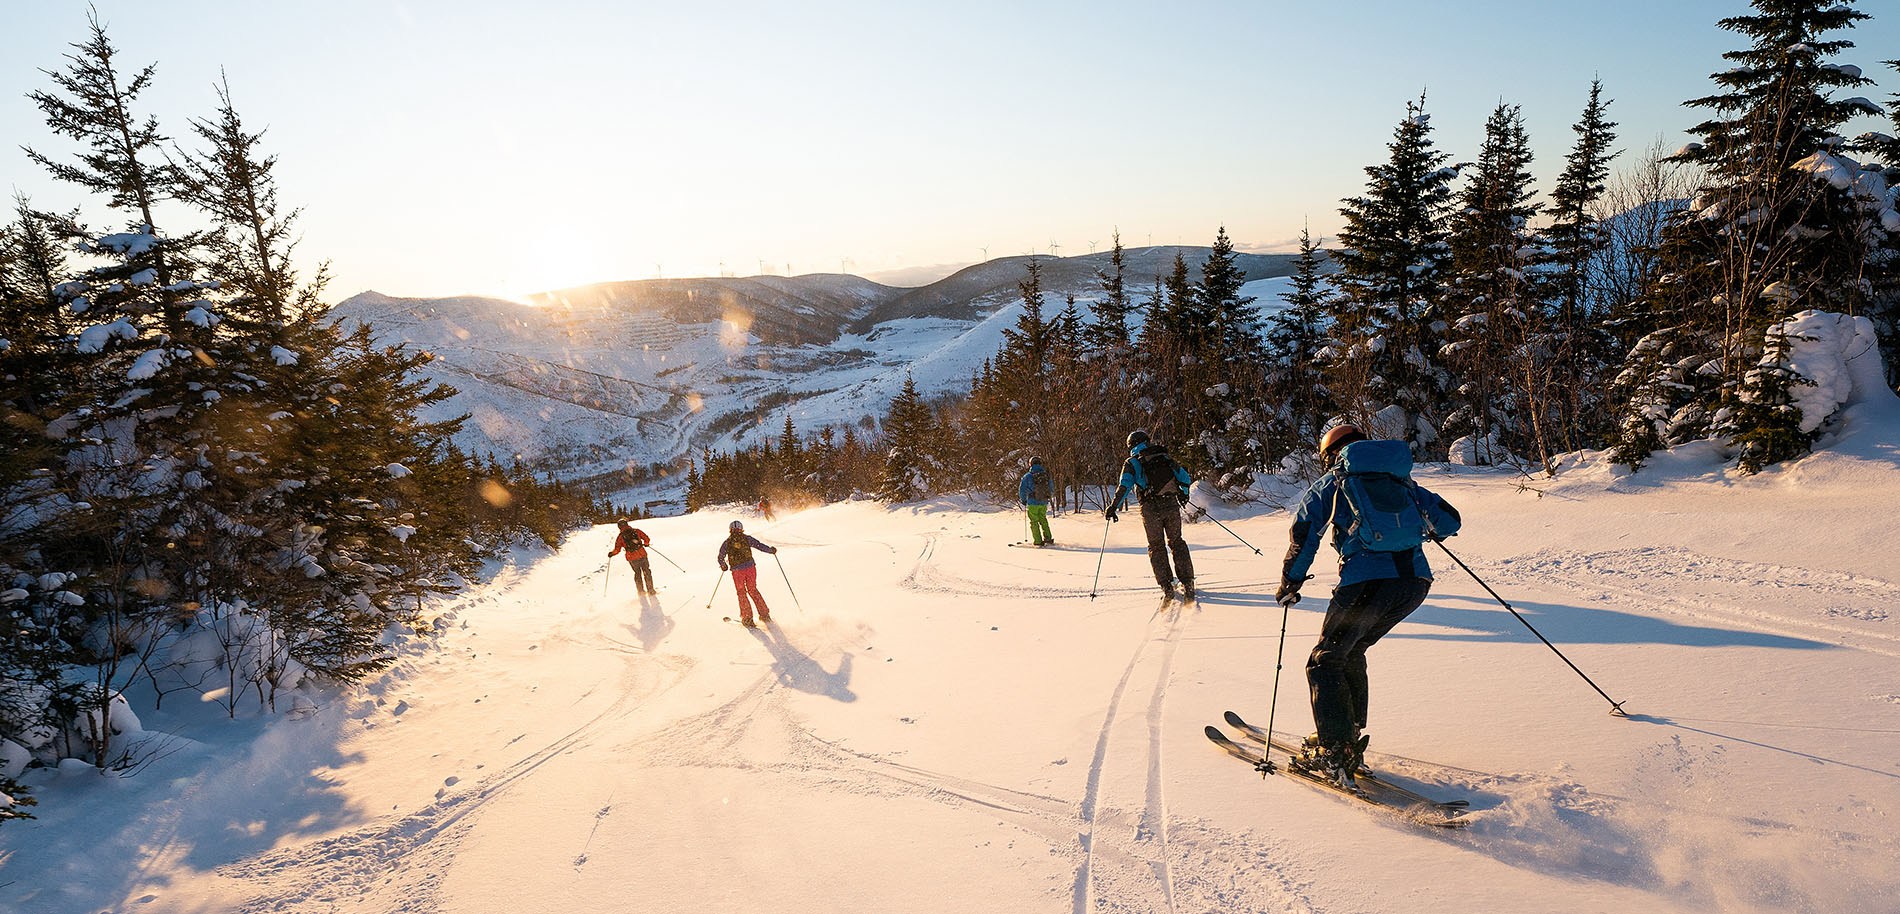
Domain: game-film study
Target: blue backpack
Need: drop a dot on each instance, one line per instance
(1376, 479)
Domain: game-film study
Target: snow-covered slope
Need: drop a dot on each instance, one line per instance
(941, 722)
(605, 382)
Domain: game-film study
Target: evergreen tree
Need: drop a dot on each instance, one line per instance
(1292, 341)
(1491, 298)
(1581, 348)
(1776, 227)
(1110, 329)
(94, 105)
(911, 466)
(234, 183)
(1236, 320)
(1387, 324)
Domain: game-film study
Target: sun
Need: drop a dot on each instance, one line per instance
(547, 261)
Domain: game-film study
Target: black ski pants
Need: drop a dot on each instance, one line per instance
(1161, 519)
(1359, 615)
(642, 574)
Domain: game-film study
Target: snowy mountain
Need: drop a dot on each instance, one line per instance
(616, 383)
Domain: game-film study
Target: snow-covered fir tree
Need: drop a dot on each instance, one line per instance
(1491, 300)
(1293, 338)
(1387, 326)
(1581, 347)
(912, 468)
(1780, 224)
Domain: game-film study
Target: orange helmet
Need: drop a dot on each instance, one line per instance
(1338, 437)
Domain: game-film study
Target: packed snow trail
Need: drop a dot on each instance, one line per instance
(952, 725)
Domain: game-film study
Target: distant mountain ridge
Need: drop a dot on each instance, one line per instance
(606, 382)
(953, 295)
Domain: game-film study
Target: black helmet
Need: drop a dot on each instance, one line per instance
(622, 523)
(1137, 437)
(1035, 461)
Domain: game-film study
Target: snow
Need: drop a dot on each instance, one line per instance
(282, 356)
(13, 758)
(396, 470)
(951, 724)
(147, 365)
(1829, 168)
(128, 244)
(201, 318)
(95, 338)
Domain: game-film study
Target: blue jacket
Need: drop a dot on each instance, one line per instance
(1323, 504)
(1026, 490)
(1134, 478)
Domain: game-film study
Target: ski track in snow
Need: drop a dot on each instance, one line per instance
(1843, 610)
(1126, 862)
(397, 865)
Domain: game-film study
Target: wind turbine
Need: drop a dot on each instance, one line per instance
(1055, 250)
(986, 252)
(1092, 245)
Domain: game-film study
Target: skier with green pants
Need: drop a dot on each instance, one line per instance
(1034, 492)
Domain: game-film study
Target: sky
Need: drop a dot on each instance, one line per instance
(502, 148)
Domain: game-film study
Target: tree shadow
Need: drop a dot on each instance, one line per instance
(282, 798)
(1565, 623)
(798, 670)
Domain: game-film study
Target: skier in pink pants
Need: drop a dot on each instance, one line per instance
(735, 554)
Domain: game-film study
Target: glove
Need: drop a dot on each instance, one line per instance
(1111, 512)
(1289, 593)
(1185, 500)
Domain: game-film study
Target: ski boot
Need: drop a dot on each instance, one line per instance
(1340, 764)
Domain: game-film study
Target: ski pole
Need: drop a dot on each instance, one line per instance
(608, 576)
(1231, 533)
(788, 582)
(1266, 758)
(1103, 553)
(663, 555)
(716, 583)
(1616, 707)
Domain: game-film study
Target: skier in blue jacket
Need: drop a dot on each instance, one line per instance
(1034, 492)
(1377, 589)
(1161, 486)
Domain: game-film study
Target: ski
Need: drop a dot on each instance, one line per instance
(1371, 788)
(744, 625)
(1234, 749)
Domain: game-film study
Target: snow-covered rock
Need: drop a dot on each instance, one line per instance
(1839, 357)
(13, 758)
